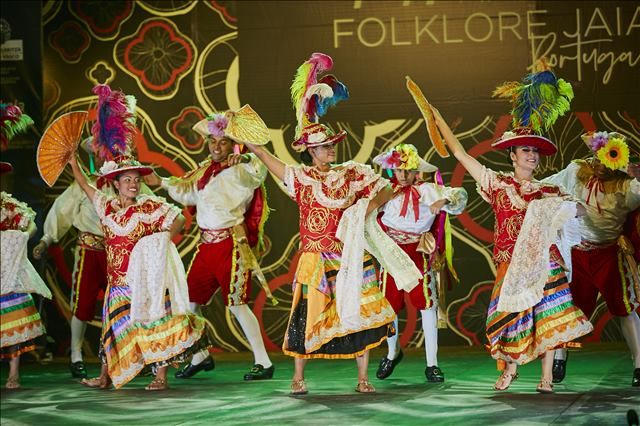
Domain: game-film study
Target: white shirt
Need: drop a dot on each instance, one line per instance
(223, 202)
(604, 225)
(429, 193)
(72, 208)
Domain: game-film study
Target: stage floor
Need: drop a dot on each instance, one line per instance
(597, 390)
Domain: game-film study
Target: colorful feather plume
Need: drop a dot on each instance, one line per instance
(13, 122)
(538, 100)
(114, 124)
(312, 97)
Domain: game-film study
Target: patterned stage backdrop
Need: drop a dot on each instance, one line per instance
(184, 59)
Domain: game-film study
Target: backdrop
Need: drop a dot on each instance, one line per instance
(184, 59)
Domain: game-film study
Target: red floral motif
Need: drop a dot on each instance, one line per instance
(103, 18)
(70, 41)
(221, 8)
(158, 56)
(180, 128)
(471, 315)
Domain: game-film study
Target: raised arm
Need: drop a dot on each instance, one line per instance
(273, 163)
(472, 165)
(79, 176)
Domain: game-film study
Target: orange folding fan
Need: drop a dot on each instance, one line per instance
(58, 143)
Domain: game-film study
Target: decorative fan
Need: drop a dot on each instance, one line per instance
(58, 143)
(246, 126)
(429, 120)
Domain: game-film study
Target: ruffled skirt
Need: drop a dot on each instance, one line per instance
(20, 325)
(553, 322)
(315, 330)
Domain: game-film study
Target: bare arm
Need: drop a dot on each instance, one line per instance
(380, 199)
(273, 163)
(79, 176)
(472, 165)
(177, 226)
(31, 229)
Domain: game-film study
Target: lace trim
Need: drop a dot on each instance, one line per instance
(339, 329)
(528, 272)
(548, 343)
(31, 332)
(151, 357)
(334, 179)
(491, 181)
(101, 201)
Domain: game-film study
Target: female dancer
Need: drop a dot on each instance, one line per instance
(127, 345)
(548, 318)
(20, 320)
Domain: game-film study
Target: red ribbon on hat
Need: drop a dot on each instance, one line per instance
(411, 194)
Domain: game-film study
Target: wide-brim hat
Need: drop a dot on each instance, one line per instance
(111, 169)
(315, 135)
(5, 167)
(523, 136)
(423, 166)
(404, 157)
(241, 126)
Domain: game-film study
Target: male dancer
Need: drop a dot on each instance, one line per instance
(604, 261)
(408, 219)
(227, 192)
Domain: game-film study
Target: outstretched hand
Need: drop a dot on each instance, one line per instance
(234, 159)
(437, 206)
(152, 179)
(634, 170)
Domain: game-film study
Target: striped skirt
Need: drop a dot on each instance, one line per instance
(20, 324)
(522, 337)
(315, 330)
(127, 347)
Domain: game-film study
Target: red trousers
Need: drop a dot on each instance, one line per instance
(422, 296)
(217, 266)
(89, 279)
(597, 271)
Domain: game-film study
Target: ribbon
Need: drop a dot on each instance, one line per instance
(411, 194)
(595, 185)
(211, 171)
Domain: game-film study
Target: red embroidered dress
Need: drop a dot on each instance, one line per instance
(314, 329)
(127, 347)
(521, 337)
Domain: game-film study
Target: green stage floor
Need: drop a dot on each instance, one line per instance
(597, 391)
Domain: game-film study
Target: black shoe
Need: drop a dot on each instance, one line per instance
(147, 371)
(636, 378)
(78, 370)
(191, 370)
(434, 374)
(385, 369)
(258, 372)
(559, 369)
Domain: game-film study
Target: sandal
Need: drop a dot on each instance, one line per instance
(12, 383)
(505, 380)
(364, 386)
(157, 384)
(298, 387)
(545, 386)
(97, 383)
